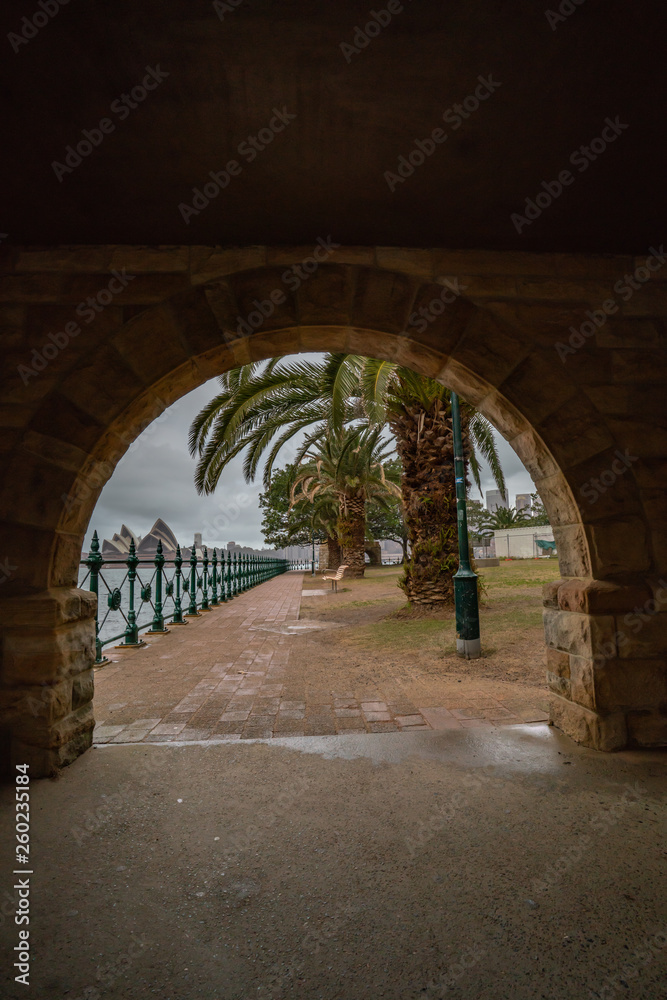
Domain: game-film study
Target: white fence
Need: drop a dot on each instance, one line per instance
(521, 543)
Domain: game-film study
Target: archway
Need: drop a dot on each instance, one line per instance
(184, 315)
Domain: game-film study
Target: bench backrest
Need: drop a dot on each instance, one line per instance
(340, 571)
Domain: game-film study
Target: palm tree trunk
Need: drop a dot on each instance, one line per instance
(424, 441)
(334, 558)
(352, 534)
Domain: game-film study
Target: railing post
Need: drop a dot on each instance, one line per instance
(178, 607)
(223, 582)
(230, 592)
(158, 619)
(214, 579)
(95, 563)
(204, 581)
(132, 631)
(235, 579)
(192, 611)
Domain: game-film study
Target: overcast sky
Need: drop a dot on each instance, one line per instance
(155, 479)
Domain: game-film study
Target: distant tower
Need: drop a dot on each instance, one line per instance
(524, 501)
(198, 540)
(496, 499)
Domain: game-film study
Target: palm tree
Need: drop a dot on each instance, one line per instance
(503, 517)
(262, 407)
(417, 410)
(348, 467)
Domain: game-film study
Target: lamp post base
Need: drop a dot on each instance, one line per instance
(469, 649)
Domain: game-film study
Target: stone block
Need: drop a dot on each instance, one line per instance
(63, 420)
(573, 552)
(315, 338)
(210, 263)
(326, 296)
(585, 726)
(642, 633)
(647, 729)
(465, 382)
(599, 597)
(32, 656)
(618, 546)
(504, 416)
(383, 301)
(225, 309)
(557, 498)
(102, 384)
(578, 634)
(193, 317)
(558, 662)
(36, 490)
(54, 450)
(38, 707)
(633, 333)
(559, 685)
(550, 593)
(534, 454)
(582, 681)
(574, 432)
(264, 301)
(639, 366)
(151, 344)
(538, 386)
(49, 609)
(83, 688)
(630, 684)
(491, 349)
(415, 262)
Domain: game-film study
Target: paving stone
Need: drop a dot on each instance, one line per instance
(383, 727)
(410, 720)
(377, 716)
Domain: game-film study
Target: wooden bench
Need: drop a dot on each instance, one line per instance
(338, 575)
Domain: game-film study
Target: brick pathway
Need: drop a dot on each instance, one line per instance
(226, 675)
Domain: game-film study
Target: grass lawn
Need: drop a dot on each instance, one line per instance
(510, 620)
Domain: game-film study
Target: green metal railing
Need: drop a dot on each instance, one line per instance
(204, 584)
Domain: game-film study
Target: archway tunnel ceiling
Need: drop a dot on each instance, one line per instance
(220, 71)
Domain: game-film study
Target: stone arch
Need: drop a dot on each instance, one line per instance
(187, 314)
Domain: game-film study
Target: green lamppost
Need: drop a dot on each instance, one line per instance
(465, 580)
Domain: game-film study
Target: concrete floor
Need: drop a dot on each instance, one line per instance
(472, 864)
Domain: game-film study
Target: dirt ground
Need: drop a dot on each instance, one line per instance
(417, 659)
